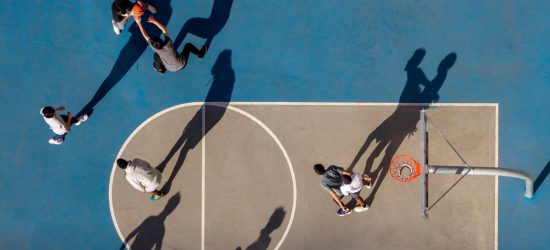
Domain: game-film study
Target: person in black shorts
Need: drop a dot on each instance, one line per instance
(60, 124)
(166, 57)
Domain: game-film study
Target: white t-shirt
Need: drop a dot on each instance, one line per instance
(142, 176)
(57, 125)
(355, 186)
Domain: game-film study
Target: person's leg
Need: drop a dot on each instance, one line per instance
(360, 202)
(367, 181)
(358, 198)
(190, 48)
(157, 64)
(118, 26)
(57, 139)
(75, 121)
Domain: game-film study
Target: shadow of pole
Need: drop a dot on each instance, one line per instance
(209, 27)
(540, 179)
(220, 93)
(150, 233)
(402, 122)
(128, 56)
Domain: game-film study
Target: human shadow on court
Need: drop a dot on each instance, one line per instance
(129, 55)
(216, 102)
(150, 233)
(540, 179)
(209, 27)
(402, 122)
(263, 241)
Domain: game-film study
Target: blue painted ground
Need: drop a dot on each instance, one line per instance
(62, 52)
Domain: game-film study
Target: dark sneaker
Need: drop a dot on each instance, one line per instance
(341, 212)
(157, 70)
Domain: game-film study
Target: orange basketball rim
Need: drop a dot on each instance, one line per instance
(404, 168)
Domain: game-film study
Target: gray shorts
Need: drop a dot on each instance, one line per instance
(355, 195)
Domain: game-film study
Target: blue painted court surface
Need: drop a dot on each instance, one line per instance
(65, 52)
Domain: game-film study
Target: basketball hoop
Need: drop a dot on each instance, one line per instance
(404, 168)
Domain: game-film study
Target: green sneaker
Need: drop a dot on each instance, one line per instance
(155, 197)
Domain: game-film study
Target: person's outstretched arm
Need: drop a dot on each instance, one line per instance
(143, 32)
(338, 201)
(158, 24)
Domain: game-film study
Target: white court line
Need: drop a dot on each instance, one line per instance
(283, 150)
(291, 168)
(363, 104)
(295, 192)
(119, 154)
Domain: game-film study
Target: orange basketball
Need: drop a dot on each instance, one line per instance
(138, 9)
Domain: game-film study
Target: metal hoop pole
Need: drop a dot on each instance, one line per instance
(487, 171)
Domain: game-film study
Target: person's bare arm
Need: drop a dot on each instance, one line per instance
(125, 18)
(143, 32)
(60, 108)
(158, 24)
(335, 197)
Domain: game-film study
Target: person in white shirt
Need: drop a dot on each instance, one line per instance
(142, 176)
(60, 124)
(352, 185)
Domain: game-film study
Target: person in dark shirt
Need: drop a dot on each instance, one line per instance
(166, 57)
(331, 180)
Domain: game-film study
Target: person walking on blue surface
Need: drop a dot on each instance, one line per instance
(331, 181)
(141, 176)
(123, 9)
(166, 57)
(60, 124)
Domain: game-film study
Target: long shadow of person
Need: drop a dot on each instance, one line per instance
(150, 232)
(209, 27)
(128, 56)
(275, 221)
(402, 122)
(213, 109)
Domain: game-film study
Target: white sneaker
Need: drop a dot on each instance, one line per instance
(55, 141)
(152, 9)
(369, 184)
(360, 209)
(115, 28)
(81, 119)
